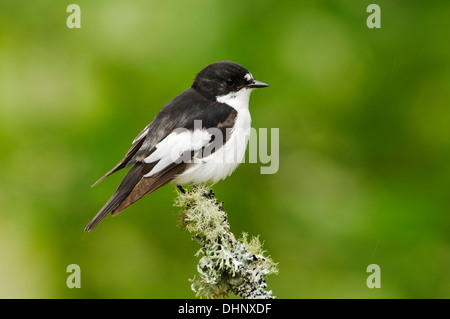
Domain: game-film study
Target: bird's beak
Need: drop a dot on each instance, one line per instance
(256, 84)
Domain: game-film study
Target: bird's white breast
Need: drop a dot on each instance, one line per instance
(227, 158)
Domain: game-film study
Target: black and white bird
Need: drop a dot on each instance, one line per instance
(198, 137)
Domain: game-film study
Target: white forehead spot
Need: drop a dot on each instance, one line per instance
(248, 76)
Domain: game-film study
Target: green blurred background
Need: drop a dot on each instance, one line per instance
(363, 116)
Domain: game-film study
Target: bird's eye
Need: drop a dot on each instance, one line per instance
(230, 82)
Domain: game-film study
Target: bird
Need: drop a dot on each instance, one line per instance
(200, 136)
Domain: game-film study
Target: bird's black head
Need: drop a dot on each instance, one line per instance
(221, 78)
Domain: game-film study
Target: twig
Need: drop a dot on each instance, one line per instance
(239, 266)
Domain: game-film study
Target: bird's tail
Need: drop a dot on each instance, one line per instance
(124, 189)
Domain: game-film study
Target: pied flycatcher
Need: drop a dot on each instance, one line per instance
(198, 137)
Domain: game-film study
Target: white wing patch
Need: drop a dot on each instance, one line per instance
(171, 149)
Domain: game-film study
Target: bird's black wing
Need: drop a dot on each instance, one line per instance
(181, 112)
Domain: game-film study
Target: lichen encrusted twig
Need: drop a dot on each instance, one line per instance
(239, 266)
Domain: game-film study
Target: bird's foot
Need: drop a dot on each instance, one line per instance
(181, 189)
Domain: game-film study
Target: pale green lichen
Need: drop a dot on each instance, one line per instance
(239, 266)
(203, 215)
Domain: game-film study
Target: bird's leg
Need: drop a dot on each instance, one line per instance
(181, 189)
